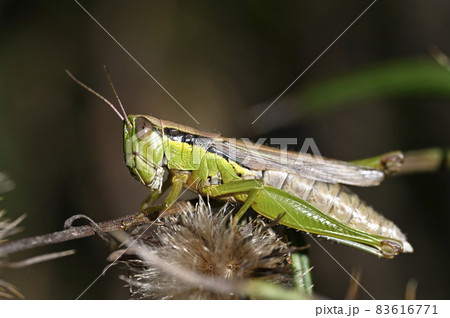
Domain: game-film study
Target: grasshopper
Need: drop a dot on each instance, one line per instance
(303, 192)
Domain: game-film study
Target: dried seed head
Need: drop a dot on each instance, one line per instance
(7, 228)
(209, 244)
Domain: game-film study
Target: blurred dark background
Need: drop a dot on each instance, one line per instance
(63, 147)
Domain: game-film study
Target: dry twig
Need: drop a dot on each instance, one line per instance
(72, 233)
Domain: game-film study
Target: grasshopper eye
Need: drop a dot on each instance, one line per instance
(143, 127)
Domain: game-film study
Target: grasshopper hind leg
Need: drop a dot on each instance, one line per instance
(299, 214)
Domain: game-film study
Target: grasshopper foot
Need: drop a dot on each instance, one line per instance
(391, 248)
(136, 220)
(148, 214)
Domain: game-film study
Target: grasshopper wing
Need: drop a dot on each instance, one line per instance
(309, 166)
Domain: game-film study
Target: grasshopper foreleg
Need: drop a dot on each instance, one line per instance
(151, 200)
(155, 211)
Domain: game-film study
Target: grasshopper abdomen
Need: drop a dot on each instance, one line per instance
(339, 202)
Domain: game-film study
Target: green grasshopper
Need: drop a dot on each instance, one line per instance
(302, 191)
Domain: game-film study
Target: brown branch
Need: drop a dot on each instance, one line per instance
(425, 160)
(407, 162)
(77, 232)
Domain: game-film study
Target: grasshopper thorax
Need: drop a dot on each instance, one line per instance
(143, 150)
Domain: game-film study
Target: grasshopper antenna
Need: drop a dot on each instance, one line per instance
(97, 94)
(117, 96)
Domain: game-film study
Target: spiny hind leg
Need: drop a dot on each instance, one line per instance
(301, 215)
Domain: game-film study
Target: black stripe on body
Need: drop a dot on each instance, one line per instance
(200, 141)
(219, 153)
(191, 139)
(197, 140)
(174, 134)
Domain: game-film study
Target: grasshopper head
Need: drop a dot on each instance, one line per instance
(143, 150)
(143, 145)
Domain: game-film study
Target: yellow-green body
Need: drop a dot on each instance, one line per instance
(201, 162)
